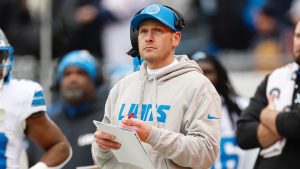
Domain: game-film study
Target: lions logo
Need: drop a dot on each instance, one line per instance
(153, 9)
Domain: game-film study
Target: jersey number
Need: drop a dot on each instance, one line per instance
(3, 144)
(228, 158)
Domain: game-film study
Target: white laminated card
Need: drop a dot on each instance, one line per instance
(132, 150)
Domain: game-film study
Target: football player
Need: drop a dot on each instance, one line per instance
(22, 113)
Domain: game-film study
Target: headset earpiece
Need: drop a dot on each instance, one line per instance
(179, 22)
(134, 51)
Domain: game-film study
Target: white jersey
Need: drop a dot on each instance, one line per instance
(18, 100)
(231, 156)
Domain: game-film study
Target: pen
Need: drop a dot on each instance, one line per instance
(130, 115)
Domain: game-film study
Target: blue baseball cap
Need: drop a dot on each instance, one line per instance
(158, 12)
(80, 58)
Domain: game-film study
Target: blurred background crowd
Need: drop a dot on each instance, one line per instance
(249, 37)
(245, 35)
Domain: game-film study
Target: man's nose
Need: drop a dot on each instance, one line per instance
(149, 37)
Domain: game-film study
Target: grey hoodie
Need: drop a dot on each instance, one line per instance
(183, 108)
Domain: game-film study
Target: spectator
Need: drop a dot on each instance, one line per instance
(227, 26)
(271, 121)
(20, 27)
(81, 99)
(176, 109)
(232, 105)
(77, 26)
(272, 44)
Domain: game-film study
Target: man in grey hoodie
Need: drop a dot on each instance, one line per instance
(176, 108)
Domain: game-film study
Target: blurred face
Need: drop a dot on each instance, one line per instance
(76, 86)
(209, 71)
(157, 43)
(265, 24)
(297, 43)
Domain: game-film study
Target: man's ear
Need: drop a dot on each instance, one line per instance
(176, 38)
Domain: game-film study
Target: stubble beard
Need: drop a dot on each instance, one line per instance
(297, 57)
(149, 58)
(73, 93)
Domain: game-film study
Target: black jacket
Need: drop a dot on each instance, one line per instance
(288, 126)
(78, 128)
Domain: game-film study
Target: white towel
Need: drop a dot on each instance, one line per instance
(273, 150)
(282, 81)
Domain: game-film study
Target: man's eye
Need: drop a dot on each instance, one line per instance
(143, 31)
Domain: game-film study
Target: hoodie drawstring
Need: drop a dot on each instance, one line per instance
(154, 103)
(140, 105)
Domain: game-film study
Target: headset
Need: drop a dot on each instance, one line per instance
(134, 51)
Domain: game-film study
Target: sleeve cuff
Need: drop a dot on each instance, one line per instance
(39, 165)
(153, 136)
(280, 123)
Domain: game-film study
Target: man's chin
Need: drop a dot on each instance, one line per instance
(72, 94)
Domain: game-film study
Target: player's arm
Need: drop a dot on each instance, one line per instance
(250, 132)
(46, 135)
(267, 130)
(265, 136)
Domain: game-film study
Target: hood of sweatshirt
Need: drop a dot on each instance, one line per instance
(184, 65)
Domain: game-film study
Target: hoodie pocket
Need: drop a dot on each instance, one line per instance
(158, 161)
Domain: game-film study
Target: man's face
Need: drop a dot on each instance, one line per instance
(209, 71)
(157, 43)
(297, 43)
(75, 85)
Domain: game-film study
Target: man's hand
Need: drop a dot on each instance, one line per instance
(266, 137)
(141, 128)
(106, 141)
(268, 115)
